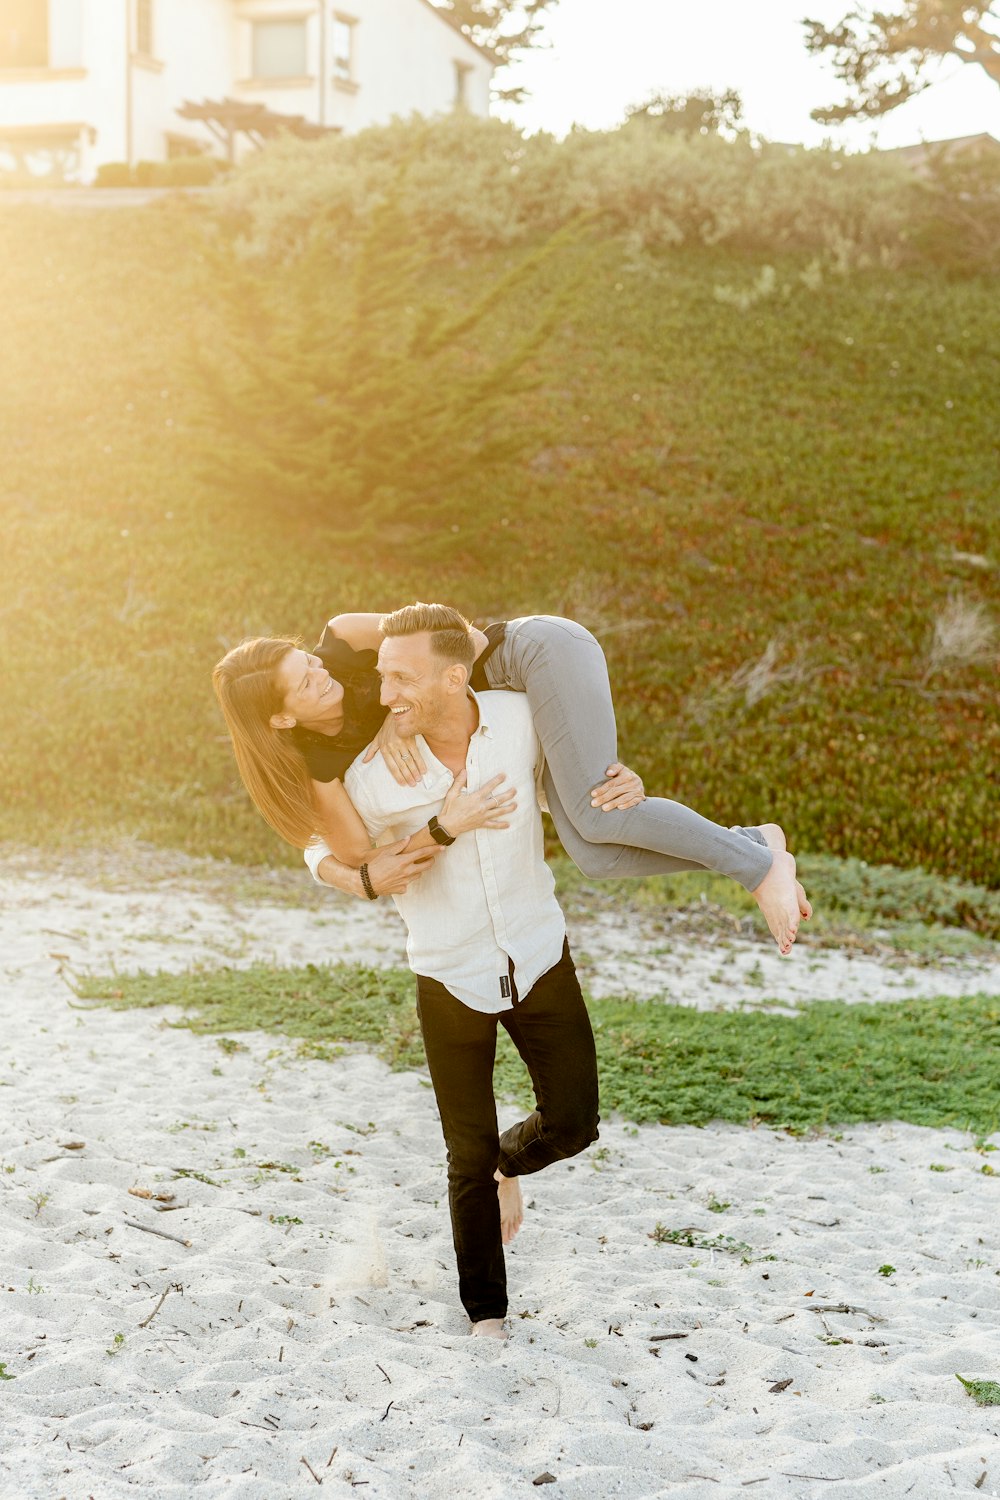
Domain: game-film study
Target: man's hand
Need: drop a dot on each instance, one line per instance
(402, 756)
(622, 790)
(394, 867)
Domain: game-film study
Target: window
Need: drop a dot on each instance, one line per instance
(343, 49)
(24, 34)
(279, 49)
(144, 27)
(462, 72)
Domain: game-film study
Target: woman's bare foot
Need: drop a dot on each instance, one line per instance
(805, 905)
(511, 1206)
(774, 835)
(780, 896)
(489, 1328)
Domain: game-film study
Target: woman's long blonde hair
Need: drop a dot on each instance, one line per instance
(273, 769)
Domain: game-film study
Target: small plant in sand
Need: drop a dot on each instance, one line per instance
(983, 1392)
(117, 1344)
(39, 1200)
(283, 1219)
(590, 1343)
(887, 1270)
(717, 1206)
(33, 1285)
(229, 1045)
(4, 1375)
(694, 1239)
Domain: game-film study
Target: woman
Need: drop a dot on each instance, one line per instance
(297, 720)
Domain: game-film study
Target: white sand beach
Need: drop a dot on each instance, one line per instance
(299, 1327)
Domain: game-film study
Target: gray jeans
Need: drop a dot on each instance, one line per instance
(561, 668)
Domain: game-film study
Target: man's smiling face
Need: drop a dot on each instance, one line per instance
(416, 683)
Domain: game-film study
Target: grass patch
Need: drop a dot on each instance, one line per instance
(910, 912)
(765, 515)
(928, 1062)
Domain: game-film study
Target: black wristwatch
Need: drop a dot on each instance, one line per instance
(439, 834)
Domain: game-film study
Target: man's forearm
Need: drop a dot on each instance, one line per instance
(330, 871)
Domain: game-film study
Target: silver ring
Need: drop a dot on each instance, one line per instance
(406, 756)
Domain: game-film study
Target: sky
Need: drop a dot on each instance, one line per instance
(602, 55)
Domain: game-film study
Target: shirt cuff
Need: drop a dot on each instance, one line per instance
(314, 854)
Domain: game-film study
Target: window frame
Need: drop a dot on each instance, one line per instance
(145, 28)
(258, 24)
(42, 23)
(346, 78)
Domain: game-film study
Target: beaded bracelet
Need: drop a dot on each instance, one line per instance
(366, 881)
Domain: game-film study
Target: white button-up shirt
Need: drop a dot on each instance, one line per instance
(490, 895)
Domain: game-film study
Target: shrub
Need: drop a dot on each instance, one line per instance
(113, 174)
(341, 385)
(179, 171)
(477, 185)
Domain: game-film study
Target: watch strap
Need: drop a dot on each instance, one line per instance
(439, 834)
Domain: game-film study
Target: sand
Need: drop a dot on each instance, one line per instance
(310, 1335)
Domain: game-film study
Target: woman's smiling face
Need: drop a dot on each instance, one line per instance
(309, 694)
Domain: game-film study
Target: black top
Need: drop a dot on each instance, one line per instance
(328, 756)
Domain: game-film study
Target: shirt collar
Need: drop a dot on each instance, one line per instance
(483, 727)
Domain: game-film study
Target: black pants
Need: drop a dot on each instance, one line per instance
(551, 1030)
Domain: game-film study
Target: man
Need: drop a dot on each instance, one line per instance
(486, 940)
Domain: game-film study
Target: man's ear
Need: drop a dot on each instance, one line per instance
(458, 677)
(282, 721)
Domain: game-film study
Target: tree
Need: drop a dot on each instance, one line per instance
(506, 29)
(692, 114)
(883, 56)
(336, 384)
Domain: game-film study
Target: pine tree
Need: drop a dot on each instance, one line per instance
(883, 56)
(506, 29)
(337, 385)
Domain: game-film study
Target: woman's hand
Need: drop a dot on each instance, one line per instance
(394, 867)
(622, 790)
(402, 756)
(488, 808)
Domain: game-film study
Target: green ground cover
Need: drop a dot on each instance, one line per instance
(928, 1062)
(762, 512)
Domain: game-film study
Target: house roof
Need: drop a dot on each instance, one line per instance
(956, 144)
(442, 16)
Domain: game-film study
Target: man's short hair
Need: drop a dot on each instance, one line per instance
(450, 632)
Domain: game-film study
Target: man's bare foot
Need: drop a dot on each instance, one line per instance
(489, 1328)
(511, 1206)
(780, 896)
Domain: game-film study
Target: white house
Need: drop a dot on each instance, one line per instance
(89, 81)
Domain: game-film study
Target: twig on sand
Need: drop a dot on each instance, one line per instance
(312, 1470)
(148, 1229)
(175, 1287)
(827, 1478)
(379, 1367)
(387, 1411)
(844, 1307)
